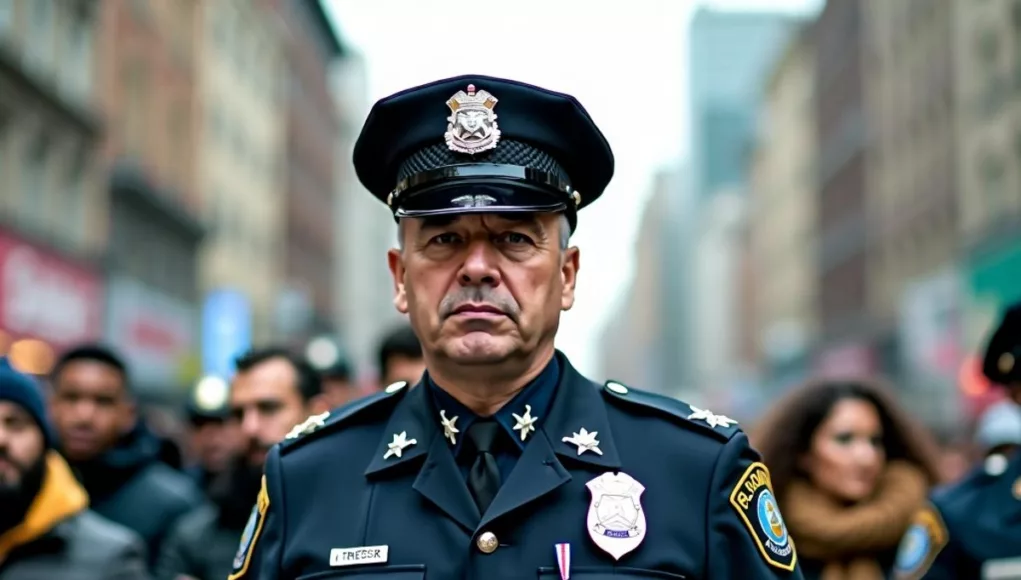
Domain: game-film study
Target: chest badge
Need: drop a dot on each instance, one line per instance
(616, 520)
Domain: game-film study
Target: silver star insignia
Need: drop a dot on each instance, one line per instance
(585, 441)
(525, 423)
(396, 447)
(449, 429)
(710, 418)
(308, 425)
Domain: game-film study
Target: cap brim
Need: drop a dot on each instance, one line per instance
(480, 196)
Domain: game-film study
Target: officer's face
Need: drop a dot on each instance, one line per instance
(847, 456)
(483, 288)
(91, 408)
(21, 446)
(265, 405)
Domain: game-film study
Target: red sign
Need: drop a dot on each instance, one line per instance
(46, 297)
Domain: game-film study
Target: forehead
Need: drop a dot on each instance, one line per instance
(271, 378)
(12, 410)
(485, 220)
(89, 373)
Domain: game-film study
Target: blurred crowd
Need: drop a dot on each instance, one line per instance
(91, 490)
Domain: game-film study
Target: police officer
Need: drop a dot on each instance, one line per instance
(504, 462)
(972, 529)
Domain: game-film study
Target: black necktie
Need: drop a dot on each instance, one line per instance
(484, 477)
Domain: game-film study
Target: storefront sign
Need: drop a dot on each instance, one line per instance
(155, 332)
(45, 297)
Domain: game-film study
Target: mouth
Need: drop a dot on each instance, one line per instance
(478, 310)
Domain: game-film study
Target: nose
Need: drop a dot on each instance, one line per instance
(479, 266)
(251, 424)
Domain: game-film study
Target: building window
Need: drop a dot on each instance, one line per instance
(33, 188)
(41, 32)
(79, 61)
(6, 13)
(134, 82)
(72, 206)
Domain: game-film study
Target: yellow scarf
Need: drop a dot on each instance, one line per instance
(60, 497)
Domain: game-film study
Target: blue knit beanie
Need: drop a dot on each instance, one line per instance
(22, 389)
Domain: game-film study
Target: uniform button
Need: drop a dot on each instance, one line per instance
(487, 542)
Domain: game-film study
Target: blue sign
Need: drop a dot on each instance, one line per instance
(226, 331)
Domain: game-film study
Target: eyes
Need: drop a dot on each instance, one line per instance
(510, 239)
(847, 438)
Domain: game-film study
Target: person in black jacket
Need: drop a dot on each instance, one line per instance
(115, 456)
(46, 529)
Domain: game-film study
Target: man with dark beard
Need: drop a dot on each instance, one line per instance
(272, 391)
(46, 529)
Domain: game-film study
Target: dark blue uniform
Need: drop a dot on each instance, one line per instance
(337, 502)
(972, 529)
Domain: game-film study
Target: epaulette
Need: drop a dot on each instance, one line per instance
(316, 425)
(705, 421)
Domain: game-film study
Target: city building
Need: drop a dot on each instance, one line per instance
(730, 55)
(987, 43)
(146, 85)
(988, 75)
(310, 153)
(629, 345)
(911, 196)
(364, 229)
(848, 341)
(242, 99)
(52, 202)
(782, 216)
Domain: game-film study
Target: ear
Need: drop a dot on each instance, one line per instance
(396, 262)
(569, 266)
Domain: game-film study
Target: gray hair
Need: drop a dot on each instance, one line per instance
(564, 225)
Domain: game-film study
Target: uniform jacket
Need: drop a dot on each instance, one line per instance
(132, 486)
(60, 539)
(971, 529)
(198, 546)
(694, 511)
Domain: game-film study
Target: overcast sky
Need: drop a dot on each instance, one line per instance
(624, 60)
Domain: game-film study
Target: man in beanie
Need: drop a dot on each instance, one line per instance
(46, 528)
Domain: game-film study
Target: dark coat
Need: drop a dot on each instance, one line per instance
(337, 504)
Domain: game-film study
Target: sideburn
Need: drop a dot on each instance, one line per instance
(17, 499)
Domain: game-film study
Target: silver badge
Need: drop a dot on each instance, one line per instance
(396, 447)
(616, 520)
(585, 440)
(525, 423)
(471, 126)
(450, 431)
(709, 417)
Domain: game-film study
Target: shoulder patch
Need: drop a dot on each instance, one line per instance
(720, 426)
(923, 541)
(249, 537)
(316, 425)
(752, 498)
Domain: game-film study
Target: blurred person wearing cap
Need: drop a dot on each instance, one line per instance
(47, 531)
(212, 440)
(272, 391)
(400, 357)
(339, 385)
(115, 455)
(504, 462)
(972, 528)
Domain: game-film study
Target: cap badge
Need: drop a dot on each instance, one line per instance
(471, 126)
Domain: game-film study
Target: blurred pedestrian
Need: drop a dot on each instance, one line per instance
(339, 385)
(47, 531)
(972, 529)
(212, 440)
(998, 435)
(114, 454)
(272, 391)
(400, 357)
(850, 469)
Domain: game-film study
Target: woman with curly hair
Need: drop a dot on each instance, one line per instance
(849, 469)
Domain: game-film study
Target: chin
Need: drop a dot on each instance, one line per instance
(479, 348)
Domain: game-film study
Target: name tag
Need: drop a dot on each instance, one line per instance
(359, 555)
(1004, 569)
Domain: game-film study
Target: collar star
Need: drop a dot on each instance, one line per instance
(525, 423)
(449, 430)
(712, 419)
(396, 447)
(308, 425)
(585, 440)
